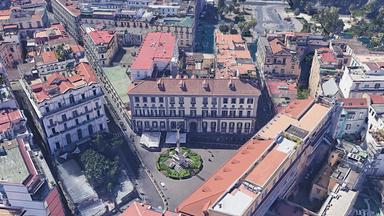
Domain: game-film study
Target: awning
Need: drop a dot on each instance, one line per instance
(171, 138)
(150, 139)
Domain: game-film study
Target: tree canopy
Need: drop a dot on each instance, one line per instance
(329, 20)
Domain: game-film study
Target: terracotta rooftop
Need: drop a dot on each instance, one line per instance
(8, 117)
(277, 87)
(59, 84)
(354, 103)
(209, 87)
(138, 209)
(101, 37)
(328, 57)
(49, 57)
(276, 45)
(377, 99)
(53, 203)
(156, 46)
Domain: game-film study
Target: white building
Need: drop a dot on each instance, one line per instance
(158, 52)
(360, 78)
(67, 109)
(197, 105)
(352, 120)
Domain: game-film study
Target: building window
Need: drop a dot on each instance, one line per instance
(162, 124)
(351, 116)
(94, 92)
(204, 126)
(233, 100)
(204, 113)
(68, 138)
(214, 101)
(348, 127)
(53, 130)
(205, 100)
(86, 109)
(172, 112)
(213, 127)
(181, 100)
(181, 113)
(161, 112)
(153, 99)
(57, 145)
(50, 122)
(225, 100)
(59, 104)
(154, 125)
(224, 113)
(248, 114)
(88, 118)
(223, 127)
(213, 113)
(146, 124)
(47, 109)
(231, 127)
(90, 129)
(145, 100)
(239, 127)
(80, 134)
(139, 125)
(137, 99)
(64, 117)
(98, 113)
(71, 99)
(161, 99)
(172, 100)
(377, 85)
(193, 113)
(241, 101)
(193, 100)
(247, 127)
(83, 96)
(173, 125)
(101, 126)
(232, 113)
(249, 101)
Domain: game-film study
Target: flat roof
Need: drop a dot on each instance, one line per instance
(12, 166)
(120, 80)
(339, 202)
(234, 203)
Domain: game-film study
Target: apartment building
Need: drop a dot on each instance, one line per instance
(282, 92)
(352, 121)
(101, 45)
(327, 67)
(24, 19)
(68, 109)
(196, 105)
(266, 167)
(275, 59)
(10, 49)
(141, 209)
(357, 80)
(233, 58)
(68, 13)
(158, 53)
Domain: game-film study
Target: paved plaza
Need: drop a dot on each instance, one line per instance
(177, 190)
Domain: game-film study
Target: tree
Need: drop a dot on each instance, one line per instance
(224, 28)
(329, 20)
(98, 169)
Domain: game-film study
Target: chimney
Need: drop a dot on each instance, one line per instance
(160, 84)
(231, 85)
(205, 85)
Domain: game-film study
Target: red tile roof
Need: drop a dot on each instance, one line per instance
(354, 103)
(218, 183)
(9, 117)
(377, 99)
(208, 87)
(265, 169)
(49, 57)
(83, 74)
(328, 57)
(101, 37)
(138, 209)
(277, 87)
(53, 203)
(276, 45)
(156, 45)
(297, 108)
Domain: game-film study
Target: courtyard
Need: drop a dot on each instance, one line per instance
(177, 190)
